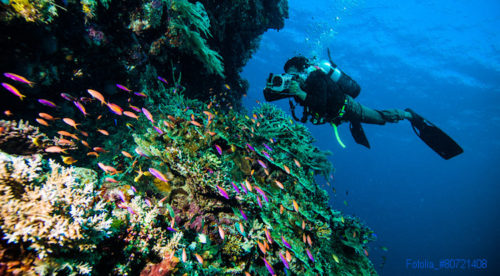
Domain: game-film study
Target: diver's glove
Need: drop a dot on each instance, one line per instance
(394, 115)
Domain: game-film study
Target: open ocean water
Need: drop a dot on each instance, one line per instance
(442, 59)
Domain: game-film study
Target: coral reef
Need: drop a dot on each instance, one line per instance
(22, 138)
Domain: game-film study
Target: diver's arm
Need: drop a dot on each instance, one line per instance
(297, 91)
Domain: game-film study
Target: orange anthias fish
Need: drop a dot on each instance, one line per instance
(287, 170)
(195, 123)
(126, 154)
(46, 116)
(130, 114)
(63, 141)
(221, 232)
(55, 149)
(115, 108)
(295, 206)
(148, 115)
(104, 132)
(297, 163)
(99, 149)
(42, 122)
(70, 122)
(65, 133)
(199, 258)
(279, 184)
(262, 247)
(96, 95)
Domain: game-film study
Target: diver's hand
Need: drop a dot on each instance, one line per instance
(294, 88)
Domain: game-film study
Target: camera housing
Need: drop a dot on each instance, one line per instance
(278, 86)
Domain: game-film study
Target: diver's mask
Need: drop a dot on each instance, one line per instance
(278, 86)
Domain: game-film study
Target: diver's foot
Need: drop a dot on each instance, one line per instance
(410, 114)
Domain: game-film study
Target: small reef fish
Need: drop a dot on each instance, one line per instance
(97, 95)
(67, 134)
(134, 108)
(282, 209)
(259, 202)
(55, 149)
(115, 108)
(13, 90)
(68, 160)
(158, 130)
(297, 162)
(287, 170)
(279, 184)
(103, 132)
(148, 115)
(109, 179)
(268, 235)
(126, 154)
(70, 122)
(295, 206)
(141, 94)
(122, 87)
(285, 243)
(366, 252)
(219, 150)
(99, 149)
(107, 169)
(8, 113)
(198, 258)
(163, 80)
(262, 247)
(131, 115)
(309, 241)
(195, 123)
(309, 255)
(337, 260)
(235, 187)
(227, 86)
(250, 147)
(243, 215)
(221, 232)
(42, 122)
(93, 153)
(46, 116)
(63, 141)
(262, 164)
(269, 267)
(223, 192)
(84, 133)
(46, 102)
(68, 97)
(80, 106)
(267, 147)
(184, 255)
(249, 186)
(285, 262)
(18, 78)
(158, 174)
(261, 192)
(288, 256)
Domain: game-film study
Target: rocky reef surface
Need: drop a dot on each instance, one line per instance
(139, 164)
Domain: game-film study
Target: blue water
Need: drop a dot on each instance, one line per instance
(442, 59)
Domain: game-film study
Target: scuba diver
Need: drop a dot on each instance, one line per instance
(327, 95)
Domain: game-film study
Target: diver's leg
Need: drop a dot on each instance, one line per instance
(358, 112)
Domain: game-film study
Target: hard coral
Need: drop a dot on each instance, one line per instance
(21, 138)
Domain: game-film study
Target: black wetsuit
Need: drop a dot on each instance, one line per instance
(325, 99)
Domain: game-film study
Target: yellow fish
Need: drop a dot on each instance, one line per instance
(335, 258)
(68, 160)
(295, 206)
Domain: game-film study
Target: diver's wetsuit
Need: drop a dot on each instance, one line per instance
(326, 98)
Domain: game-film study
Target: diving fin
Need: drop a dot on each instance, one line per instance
(434, 137)
(358, 134)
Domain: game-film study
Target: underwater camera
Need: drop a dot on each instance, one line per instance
(277, 86)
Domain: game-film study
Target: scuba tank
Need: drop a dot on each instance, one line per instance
(346, 83)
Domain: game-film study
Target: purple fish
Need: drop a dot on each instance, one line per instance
(250, 147)
(235, 187)
(123, 87)
(266, 154)
(68, 97)
(243, 214)
(134, 108)
(223, 192)
(310, 255)
(18, 78)
(140, 152)
(80, 106)
(171, 229)
(163, 80)
(244, 188)
(121, 195)
(259, 190)
(262, 163)
(158, 130)
(148, 114)
(158, 174)
(46, 102)
(284, 261)
(259, 202)
(267, 147)
(133, 189)
(285, 242)
(269, 267)
(268, 236)
(147, 202)
(130, 210)
(219, 150)
(140, 94)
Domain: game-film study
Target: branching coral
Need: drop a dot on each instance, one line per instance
(54, 211)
